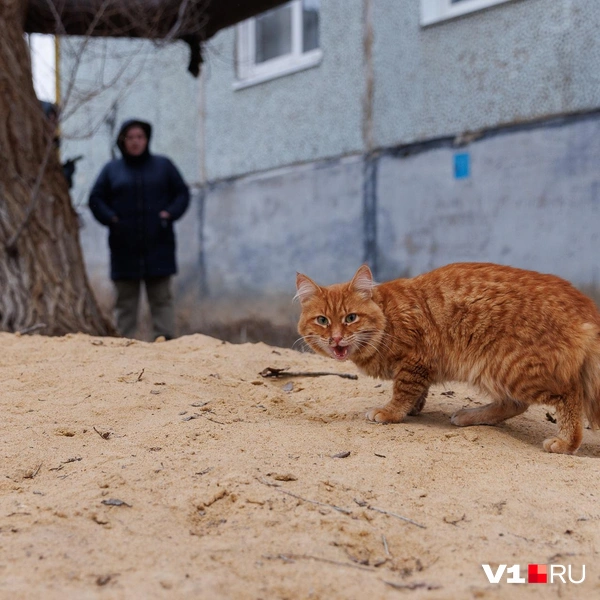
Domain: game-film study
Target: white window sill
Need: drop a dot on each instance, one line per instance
(281, 69)
(434, 11)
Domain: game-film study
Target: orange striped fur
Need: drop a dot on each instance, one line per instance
(522, 337)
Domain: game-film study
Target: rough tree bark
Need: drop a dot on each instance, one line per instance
(43, 285)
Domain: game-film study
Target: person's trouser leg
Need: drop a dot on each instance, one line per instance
(126, 306)
(162, 306)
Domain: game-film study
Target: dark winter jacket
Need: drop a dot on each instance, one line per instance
(135, 189)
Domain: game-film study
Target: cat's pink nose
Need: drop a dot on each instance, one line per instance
(335, 340)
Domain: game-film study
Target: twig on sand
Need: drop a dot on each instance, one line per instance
(385, 545)
(391, 514)
(204, 471)
(293, 557)
(412, 586)
(33, 473)
(213, 420)
(345, 510)
(115, 502)
(338, 508)
(278, 373)
(103, 434)
(265, 482)
(316, 502)
(388, 513)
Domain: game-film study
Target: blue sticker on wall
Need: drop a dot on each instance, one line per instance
(462, 166)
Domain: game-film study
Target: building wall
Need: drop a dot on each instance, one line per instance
(530, 198)
(260, 230)
(532, 201)
(306, 116)
(514, 62)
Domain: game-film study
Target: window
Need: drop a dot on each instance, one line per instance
(433, 11)
(278, 42)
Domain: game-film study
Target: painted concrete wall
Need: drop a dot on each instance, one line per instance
(302, 117)
(514, 62)
(260, 230)
(532, 201)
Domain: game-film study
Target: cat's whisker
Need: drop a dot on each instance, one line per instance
(365, 343)
(368, 341)
(301, 345)
(362, 340)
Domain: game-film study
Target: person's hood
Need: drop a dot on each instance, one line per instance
(123, 131)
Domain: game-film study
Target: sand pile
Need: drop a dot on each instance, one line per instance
(175, 470)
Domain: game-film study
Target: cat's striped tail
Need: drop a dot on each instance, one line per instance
(590, 374)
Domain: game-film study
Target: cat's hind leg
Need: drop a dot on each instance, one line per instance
(490, 414)
(411, 384)
(570, 432)
(418, 405)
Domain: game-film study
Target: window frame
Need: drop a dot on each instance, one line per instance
(250, 73)
(434, 11)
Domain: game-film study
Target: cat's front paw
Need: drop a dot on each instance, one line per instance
(461, 418)
(558, 446)
(384, 415)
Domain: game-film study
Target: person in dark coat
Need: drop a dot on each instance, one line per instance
(139, 197)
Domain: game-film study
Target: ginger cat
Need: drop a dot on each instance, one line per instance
(520, 336)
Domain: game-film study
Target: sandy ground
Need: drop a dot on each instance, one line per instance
(174, 470)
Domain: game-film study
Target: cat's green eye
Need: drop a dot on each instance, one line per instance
(351, 318)
(323, 321)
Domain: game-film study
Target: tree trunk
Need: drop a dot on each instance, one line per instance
(43, 284)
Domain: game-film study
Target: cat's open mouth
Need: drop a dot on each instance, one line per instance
(340, 352)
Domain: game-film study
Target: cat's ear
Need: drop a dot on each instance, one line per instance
(363, 282)
(306, 288)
